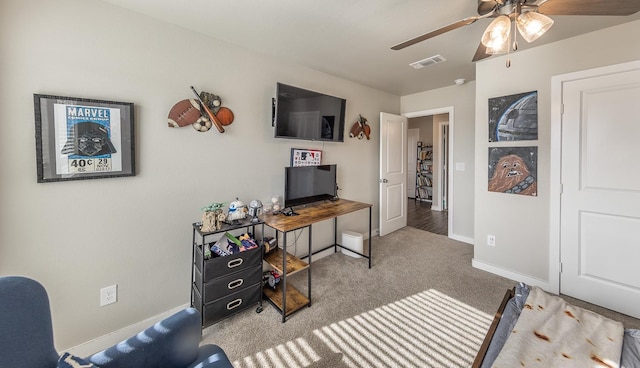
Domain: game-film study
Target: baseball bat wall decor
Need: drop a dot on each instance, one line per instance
(214, 119)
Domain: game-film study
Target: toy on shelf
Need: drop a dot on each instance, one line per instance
(269, 244)
(211, 217)
(271, 278)
(255, 208)
(228, 244)
(275, 204)
(237, 211)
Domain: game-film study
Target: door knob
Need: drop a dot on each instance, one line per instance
(383, 181)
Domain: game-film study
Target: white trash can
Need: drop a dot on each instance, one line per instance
(353, 241)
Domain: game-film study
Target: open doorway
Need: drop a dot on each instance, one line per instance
(428, 178)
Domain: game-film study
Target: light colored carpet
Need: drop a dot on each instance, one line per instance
(421, 304)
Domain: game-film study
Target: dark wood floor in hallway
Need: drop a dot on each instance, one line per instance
(420, 216)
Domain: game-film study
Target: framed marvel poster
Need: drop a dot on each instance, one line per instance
(81, 138)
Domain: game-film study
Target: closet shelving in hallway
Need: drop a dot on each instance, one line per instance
(424, 173)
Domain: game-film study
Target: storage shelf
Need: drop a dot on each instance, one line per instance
(224, 285)
(294, 264)
(295, 299)
(286, 298)
(237, 224)
(424, 173)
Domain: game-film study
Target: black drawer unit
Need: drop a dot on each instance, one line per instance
(228, 304)
(228, 283)
(221, 266)
(224, 285)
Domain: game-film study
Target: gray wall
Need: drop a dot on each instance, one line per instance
(521, 223)
(137, 231)
(425, 125)
(461, 99)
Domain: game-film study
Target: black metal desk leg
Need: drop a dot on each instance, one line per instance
(370, 237)
(284, 276)
(335, 235)
(309, 269)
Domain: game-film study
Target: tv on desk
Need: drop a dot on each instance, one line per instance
(307, 184)
(308, 115)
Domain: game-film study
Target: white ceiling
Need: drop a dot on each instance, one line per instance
(351, 39)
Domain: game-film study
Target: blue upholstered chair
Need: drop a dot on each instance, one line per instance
(26, 336)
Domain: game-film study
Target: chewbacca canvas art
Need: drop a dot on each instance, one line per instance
(511, 174)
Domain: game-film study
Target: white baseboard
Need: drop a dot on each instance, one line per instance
(533, 281)
(374, 231)
(100, 343)
(464, 239)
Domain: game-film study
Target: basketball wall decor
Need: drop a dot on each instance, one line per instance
(225, 115)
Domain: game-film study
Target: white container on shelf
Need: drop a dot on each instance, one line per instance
(353, 241)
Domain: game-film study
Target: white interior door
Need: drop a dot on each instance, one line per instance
(444, 164)
(600, 201)
(393, 172)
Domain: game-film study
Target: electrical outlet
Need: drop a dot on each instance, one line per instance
(491, 240)
(108, 295)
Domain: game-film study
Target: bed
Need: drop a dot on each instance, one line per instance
(534, 329)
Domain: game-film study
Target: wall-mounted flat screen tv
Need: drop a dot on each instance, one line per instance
(308, 115)
(307, 184)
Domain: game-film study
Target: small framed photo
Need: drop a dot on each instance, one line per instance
(81, 138)
(305, 157)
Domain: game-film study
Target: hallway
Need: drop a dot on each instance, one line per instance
(420, 216)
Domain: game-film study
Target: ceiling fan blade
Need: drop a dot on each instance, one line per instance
(481, 53)
(487, 6)
(439, 31)
(589, 7)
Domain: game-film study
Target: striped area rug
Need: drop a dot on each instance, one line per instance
(428, 329)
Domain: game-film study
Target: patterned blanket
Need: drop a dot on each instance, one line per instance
(552, 333)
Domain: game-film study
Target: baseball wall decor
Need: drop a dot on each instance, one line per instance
(183, 113)
(360, 129)
(208, 111)
(201, 113)
(225, 115)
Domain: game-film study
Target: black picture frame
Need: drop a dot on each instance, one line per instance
(81, 138)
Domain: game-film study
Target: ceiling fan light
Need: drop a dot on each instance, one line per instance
(500, 49)
(532, 25)
(497, 33)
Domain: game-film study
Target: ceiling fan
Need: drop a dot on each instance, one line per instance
(528, 16)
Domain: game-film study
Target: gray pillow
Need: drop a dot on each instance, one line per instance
(630, 349)
(508, 320)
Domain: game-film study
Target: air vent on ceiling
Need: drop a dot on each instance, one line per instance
(428, 61)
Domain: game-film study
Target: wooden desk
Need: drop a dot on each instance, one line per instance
(287, 264)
